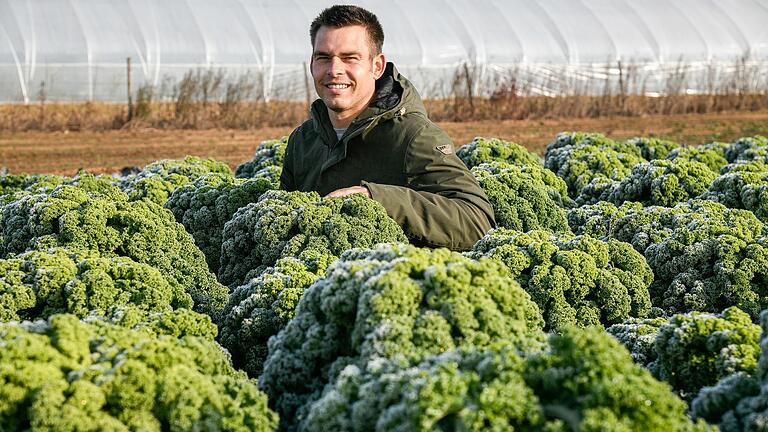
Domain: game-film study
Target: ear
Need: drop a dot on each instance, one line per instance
(379, 63)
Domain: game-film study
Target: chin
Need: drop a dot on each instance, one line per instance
(335, 105)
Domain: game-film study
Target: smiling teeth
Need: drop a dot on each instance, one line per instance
(338, 86)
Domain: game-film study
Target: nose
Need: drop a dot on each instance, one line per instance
(335, 66)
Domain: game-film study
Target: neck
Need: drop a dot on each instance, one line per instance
(342, 120)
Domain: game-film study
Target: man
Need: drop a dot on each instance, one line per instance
(369, 133)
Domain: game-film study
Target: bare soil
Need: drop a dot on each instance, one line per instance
(109, 151)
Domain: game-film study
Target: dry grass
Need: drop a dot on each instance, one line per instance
(250, 115)
(211, 99)
(510, 107)
(109, 151)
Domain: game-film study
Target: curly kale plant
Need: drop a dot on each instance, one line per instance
(177, 322)
(660, 182)
(712, 155)
(157, 181)
(599, 219)
(638, 335)
(13, 187)
(696, 349)
(582, 381)
(11, 184)
(748, 149)
(742, 185)
(283, 224)
(392, 302)
(520, 197)
(113, 226)
(693, 350)
(581, 159)
(653, 148)
(259, 309)
(705, 257)
(38, 284)
(64, 374)
(738, 402)
(206, 204)
(574, 280)
(482, 150)
(267, 162)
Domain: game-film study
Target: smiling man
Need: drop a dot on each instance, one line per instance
(369, 133)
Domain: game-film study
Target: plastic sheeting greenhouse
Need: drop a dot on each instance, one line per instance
(77, 49)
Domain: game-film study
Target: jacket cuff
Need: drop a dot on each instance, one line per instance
(379, 193)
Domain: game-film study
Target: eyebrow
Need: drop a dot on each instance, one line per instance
(344, 54)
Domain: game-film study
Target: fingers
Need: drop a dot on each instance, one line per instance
(349, 191)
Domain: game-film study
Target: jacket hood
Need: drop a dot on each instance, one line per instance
(393, 92)
(395, 95)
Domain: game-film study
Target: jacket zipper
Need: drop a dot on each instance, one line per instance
(360, 129)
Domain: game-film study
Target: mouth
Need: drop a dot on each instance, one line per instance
(337, 86)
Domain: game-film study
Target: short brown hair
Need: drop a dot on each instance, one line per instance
(347, 15)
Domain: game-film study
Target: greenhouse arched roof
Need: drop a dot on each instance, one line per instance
(77, 49)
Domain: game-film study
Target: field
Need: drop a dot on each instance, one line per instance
(625, 286)
(109, 151)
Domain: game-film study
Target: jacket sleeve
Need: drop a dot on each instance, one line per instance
(442, 205)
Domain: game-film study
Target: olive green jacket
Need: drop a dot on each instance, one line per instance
(404, 159)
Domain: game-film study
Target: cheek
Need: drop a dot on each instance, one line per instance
(316, 70)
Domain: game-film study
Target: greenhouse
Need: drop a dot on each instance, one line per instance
(78, 50)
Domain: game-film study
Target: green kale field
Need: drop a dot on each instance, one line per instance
(624, 289)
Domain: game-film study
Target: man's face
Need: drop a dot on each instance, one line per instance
(343, 69)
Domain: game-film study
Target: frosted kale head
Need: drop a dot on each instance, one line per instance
(267, 162)
(705, 257)
(581, 380)
(13, 188)
(653, 148)
(37, 284)
(176, 323)
(283, 224)
(520, 197)
(638, 335)
(586, 372)
(206, 204)
(71, 375)
(157, 181)
(599, 219)
(712, 155)
(394, 301)
(738, 402)
(482, 150)
(259, 309)
(574, 280)
(11, 184)
(112, 226)
(742, 185)
(698, 349)
(748, 149)
(579, 158)
(457, 390)
(661, 182)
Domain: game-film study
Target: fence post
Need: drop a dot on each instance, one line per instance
(130, 96)
(306, 86)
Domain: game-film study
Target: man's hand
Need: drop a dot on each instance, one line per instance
(349, 191)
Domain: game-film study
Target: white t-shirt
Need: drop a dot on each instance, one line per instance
(340, 132)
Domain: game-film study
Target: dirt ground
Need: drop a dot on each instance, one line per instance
(108, 152)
